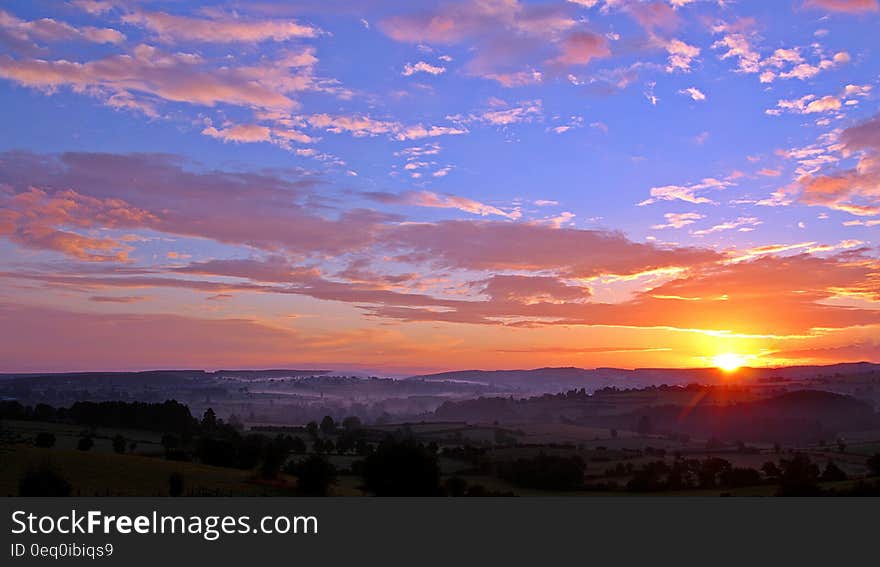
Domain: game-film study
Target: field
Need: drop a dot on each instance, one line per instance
(108, 474)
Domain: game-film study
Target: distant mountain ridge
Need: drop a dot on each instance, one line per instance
(552, 379)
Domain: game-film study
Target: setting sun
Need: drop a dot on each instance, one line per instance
(728, 362)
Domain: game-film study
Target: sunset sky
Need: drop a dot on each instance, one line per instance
(413, 186)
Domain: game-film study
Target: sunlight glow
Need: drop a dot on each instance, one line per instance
(729, 362)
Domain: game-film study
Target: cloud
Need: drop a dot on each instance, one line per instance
(783, 63)
(844, 6)
(687, 193)
(433, 200)
(170, 28)
(509, 40)
(711, 297)
(173, 77)
(362, 125)
(678, 220)
(159, 193)
(23, 32)
(501, 113)
(422, 67)
(693, 92)
(653, 16)
(240, 133)
(681, 55)
(807, 104)
(738, 46)
(579, 48)
(484, 245)
(743, 224)
(855, 190)
(36, 219)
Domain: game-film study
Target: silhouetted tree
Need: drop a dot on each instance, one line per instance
(873, 463)
(85, 443)
(209, 420)
(43, 481)
(44, 439)
(328, 426)
(455, 486)
(315, 475)
(312, 428)
(832, 473)
(273, 457)
(770, 470)
(402, 468)
(175, 484)
(799, 476)
(351, 423)
(550, 472)
(740, 476)
(297, 445)
(119, 444)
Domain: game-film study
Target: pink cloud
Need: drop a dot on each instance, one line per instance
(171, 28)
(51, 30)
(579, 48)
(511, 39)
(176, 77)
(845, 6)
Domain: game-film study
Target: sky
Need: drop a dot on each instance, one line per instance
(410, 187)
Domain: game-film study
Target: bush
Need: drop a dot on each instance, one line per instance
(85, 443)
(43, 481)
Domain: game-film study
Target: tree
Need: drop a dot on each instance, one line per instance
(85, 443)
(873, 463)
(119, 444)
(456, 486)
(799, 476)
(43, 481)
(297, 445)
(770, 470)
(44, 439)
(315, 475)
(312, 429)
(328, 426)
(614, 434)
(549, 472)
(273, 457)
(175, 484)
(740, 476)
(401, 468)
(351, 423)
(345, 443)
(209, 420)
(832, 472)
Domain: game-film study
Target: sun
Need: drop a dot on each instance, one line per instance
(729, 362)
